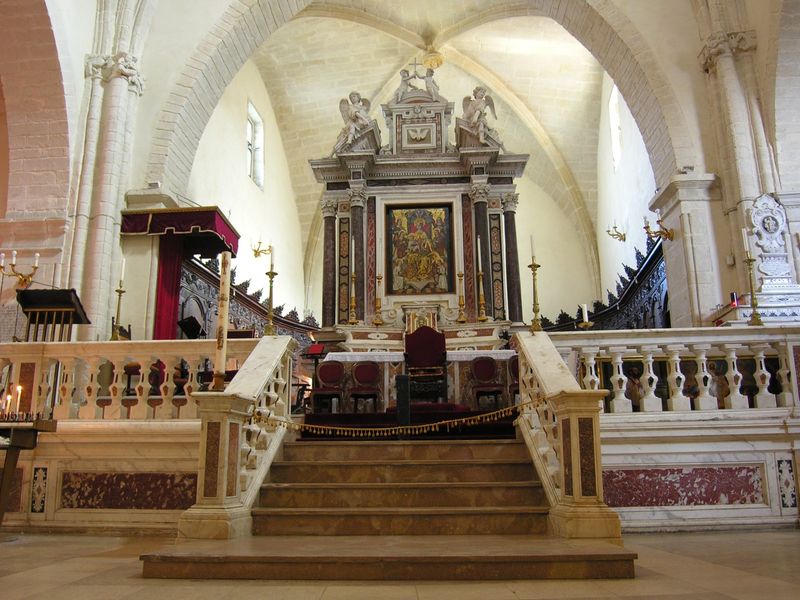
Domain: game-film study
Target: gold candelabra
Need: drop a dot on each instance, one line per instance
(481, 299)
(536, 324)
(616, 233)
(462, 318)
(661, 232)
(24, 280)
(115, 326)
(352, 320)
(377, 320)
(269, 328)
(586, 324)
(755, 316)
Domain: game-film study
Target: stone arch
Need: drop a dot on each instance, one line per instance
(605, 32)
(35, 113)
(787, 88)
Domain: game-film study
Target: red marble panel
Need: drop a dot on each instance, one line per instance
(372, 290)
(15, 497)
(344, 269)
(212, 459)
(469, 272)
(684, 486)
(233, 456)
(131, 491)
(566, 451)
(586, 445)
(496, 258)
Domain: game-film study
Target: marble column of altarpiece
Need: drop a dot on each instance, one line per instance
(479, 193)
(510, 203)
(329, 207)
(358, 198)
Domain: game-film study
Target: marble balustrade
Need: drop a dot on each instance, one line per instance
(103, 380)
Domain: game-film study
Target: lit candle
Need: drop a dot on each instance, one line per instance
(36, 260)
(745, 241)
(480, 269)
(585, 313)
(19, 396)
(533, 248)
(8, 403)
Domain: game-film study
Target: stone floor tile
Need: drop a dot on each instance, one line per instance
(369, 591)
(460, 590)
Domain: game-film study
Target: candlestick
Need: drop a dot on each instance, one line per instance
(481, 298)
(353, 320)
(24, 280)
(115, 326)
(755, 316)
(269, 328)
(462, 318)
(536, 324)
(377, 320)
(221, 350)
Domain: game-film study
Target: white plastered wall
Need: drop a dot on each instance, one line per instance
(219, 177)
(623, 194)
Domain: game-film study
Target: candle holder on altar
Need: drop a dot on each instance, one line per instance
(462, 318)
(377, 320)
(269, 328)
(24, 280)
(755, 316)
(115, 326)
(352, 320)
(586, 324)
(481, 299)
(536, 324)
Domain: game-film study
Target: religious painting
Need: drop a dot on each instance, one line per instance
(419, 250)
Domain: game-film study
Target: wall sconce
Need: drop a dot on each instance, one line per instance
(661, 232)
(24, 280)
(616, 233)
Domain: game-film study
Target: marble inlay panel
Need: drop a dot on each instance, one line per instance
(131, 491)
(233, 453)
(496, 295)
(15, 497)
(344, 269)
(39, 489)
(684, 486)
(566, 451)
(469, 271)
(372, 290)
(586, 444)
(786, 483)
(212, 459)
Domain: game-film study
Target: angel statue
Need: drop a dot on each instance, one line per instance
(405, 85)
(431, 86)
(475, 111)
(355, 114)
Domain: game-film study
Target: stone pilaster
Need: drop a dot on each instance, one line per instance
(479, 194)
(510, 203)
(329, 206)
(358, 199)
(689, 206)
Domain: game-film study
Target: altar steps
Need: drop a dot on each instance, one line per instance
(390, 510)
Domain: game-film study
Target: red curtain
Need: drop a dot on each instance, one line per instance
(170, 259)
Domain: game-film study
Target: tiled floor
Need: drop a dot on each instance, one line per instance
(708, 566)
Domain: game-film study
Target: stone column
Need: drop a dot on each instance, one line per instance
(510, 203)
(479, 194)
(688, 206)
(358, 199)
(329, 206)
(219, 512)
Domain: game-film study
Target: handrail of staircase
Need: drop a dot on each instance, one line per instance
(236, 448)
(545, 381)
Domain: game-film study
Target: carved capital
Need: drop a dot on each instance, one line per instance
(97, 66)
(126, 66)
(719, 44)
(510, 201)
(328, 205)
(479, 192)
(357, 197)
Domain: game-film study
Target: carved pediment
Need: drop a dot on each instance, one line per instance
(364, 140)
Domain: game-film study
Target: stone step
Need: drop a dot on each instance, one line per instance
(400, 471)
(388, 557)
(400, 521)
(321, 495)
(405, 450)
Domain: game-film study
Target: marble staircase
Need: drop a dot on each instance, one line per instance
(398, 510)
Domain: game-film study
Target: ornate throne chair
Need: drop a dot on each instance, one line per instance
(425, 356)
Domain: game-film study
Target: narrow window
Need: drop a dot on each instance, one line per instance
(254, 132)
(615, 127)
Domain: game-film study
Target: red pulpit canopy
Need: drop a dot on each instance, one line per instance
(207, 230)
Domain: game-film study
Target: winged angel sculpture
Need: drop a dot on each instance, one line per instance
(355, 113)
(475, 109)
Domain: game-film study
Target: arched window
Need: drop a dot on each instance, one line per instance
(255, 145)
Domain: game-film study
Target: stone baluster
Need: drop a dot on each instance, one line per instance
(189, 411)
(90, 409)
(66, 391)
(704, 400)
(649, 402)
(115, 410)
(676, 401)
(590, 379)
(763, 398)
(172, 365)
(735, 399)
(140, 409)
(42, 394)
(786, 397)
(620, 403)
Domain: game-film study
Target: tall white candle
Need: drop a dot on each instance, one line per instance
(585, 313)
(353, 253)
(745, 241)
(533, 248)
(480, 268)
(220, 355)
(122, 271)
(36, 260)
(271, 257)
(19, 397)
(13, 258)
(2, 259)
(8, 404)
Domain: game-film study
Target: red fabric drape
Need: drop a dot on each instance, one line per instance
(170, 259)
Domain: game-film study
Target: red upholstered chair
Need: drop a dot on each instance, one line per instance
(513, 374)
(487, 383)
(425, 357)
(366, 384)
(329, 395)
